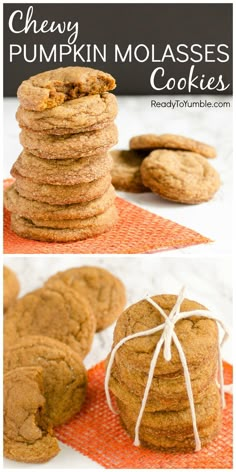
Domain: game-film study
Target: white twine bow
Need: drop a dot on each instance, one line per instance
(166, 339)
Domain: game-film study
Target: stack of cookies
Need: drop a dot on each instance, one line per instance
(167, 423)
(63, 190)
(47, 334)
(174, 167)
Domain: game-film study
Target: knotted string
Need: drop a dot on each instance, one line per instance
(169, 335)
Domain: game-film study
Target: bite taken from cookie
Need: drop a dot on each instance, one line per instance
(28, 434)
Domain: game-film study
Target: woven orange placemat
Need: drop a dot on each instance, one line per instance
(96, 432)
(138, 231)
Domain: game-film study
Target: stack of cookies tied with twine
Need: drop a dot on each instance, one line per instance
(163, 371)
(62, 190)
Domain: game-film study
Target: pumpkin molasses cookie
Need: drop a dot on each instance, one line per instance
(63, 373)
(171, 141)
(172, 431)
(126, 170)
(105, 292)
(198, 336)
(180, 176)
(52, 88)
(61, 194)
(62, 171)
(72, 146)
(80, 224)
(27, 433)
(75, 231)
(76, 116)
(31, 209)
(11, 287)
(166, 392)
(56, 312)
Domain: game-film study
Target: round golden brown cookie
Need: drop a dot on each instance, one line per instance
(126, 170)
(27, 433)
(68, 146)
(171, 141)
(31, 209)
(97, 225)
(94, 221)
(11, 287)
(56, 312)
(64, 375)
(62, 171)
(197, 335)
(61, 194)
(180, 176)
(54, 87)
(105, 292)
(74, 116)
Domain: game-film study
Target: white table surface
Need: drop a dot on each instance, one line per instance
(211, 125)
(207, 281)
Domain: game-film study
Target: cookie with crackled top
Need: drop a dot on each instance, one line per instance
(57, 312)
(104, 291)
(63, 374)
(198, 336)
(180, 176)
(54, 87)
(171, 141)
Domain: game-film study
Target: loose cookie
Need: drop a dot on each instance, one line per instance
(61, 194)
(184, 177)
(56, 312)
(27, 433)
(100, 224)
(75, 116)
(11, 287)
(171, 141)
(68, 146)
(126, 170)
(31, 209)
(62, 171)
(64, 376)
(54, 87)
(105, 292)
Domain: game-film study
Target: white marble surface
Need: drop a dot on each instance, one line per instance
(211, 125)
(208, 280)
